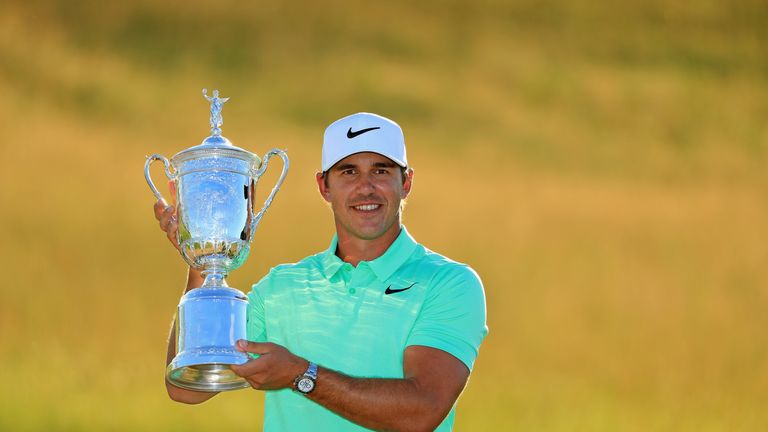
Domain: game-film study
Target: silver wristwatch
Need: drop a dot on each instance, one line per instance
(306, 383)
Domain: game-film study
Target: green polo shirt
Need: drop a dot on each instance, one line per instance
(359, 320)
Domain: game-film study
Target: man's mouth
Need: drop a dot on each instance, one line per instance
(366, 207)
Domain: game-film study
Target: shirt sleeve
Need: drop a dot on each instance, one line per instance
(453, 316)
(256, 329)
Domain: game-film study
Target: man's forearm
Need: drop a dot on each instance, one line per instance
(432, 381)
(194, 280)
(378, 403)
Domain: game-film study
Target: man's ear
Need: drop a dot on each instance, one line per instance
(321, 187)
(407, 182)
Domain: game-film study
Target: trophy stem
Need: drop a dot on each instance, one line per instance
(214, 278)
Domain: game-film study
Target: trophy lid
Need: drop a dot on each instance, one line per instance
(215, 145)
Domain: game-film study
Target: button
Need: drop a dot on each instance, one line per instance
(352, 291)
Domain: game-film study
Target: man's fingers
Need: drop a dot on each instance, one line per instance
(169, 224)
(165, 215)
(254, 347)
(173, 227)
(247, 369)
(160, 207)
(275, 368)
(165, 218)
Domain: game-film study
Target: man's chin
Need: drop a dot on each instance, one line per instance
(372, 230)
(368, 232)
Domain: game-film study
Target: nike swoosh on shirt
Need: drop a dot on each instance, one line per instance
(351, 134)
(389, 289)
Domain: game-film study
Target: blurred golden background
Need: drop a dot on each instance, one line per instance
(602, 166)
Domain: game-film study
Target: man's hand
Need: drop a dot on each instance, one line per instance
(165, 215)
(274, 369)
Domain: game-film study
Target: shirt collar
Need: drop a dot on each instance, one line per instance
(331, 263)
(383, 266)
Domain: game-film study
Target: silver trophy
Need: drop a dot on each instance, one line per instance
(214, 185)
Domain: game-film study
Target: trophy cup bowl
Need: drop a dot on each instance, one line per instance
(214, 190)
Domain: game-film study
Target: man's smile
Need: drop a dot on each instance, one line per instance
(367, 207)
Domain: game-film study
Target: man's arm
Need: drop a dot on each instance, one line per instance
(432, 381)
(165, 216)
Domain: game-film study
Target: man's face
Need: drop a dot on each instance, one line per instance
(365, 191)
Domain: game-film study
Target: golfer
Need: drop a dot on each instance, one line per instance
(375, 332)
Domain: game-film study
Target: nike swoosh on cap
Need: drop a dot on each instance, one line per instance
(351, 134)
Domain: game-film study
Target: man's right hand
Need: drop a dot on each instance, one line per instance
(166, 215)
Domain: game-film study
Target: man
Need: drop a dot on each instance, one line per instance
(377, 331)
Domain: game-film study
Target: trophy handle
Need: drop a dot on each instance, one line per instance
(258, 173)
(147, 176)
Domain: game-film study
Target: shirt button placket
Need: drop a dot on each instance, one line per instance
(349, 277)
(353, 281)
(357, 274)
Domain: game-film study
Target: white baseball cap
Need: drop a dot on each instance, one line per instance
(363, 132)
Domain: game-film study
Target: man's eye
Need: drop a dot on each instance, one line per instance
(349, 171)
(381, 171)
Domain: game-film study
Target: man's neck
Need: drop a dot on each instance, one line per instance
(353, 249)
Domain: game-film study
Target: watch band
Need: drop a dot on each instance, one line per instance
(311, 371)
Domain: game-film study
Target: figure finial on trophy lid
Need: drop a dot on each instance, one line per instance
(216, 106)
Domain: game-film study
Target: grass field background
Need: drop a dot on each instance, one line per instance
(602, 166)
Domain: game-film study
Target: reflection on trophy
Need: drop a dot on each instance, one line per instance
(214, 186)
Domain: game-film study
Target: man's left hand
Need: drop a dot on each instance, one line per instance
(274, 369)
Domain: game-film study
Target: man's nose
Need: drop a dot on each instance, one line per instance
(365, 183)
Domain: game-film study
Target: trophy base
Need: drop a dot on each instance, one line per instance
(207, 377)
(210, 321)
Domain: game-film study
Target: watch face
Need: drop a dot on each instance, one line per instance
(305, 385)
